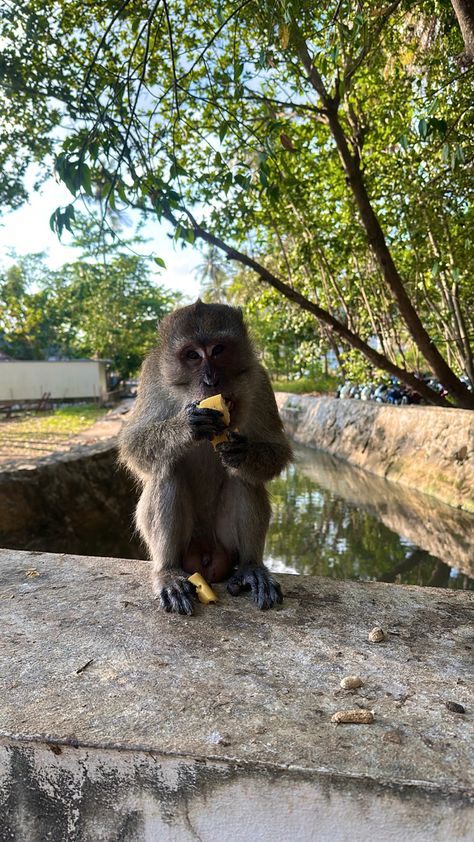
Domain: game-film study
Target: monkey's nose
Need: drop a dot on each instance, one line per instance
(211, 381)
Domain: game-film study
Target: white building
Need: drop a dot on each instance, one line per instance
(23, 380)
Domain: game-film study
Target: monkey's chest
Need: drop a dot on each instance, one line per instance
(204, 478)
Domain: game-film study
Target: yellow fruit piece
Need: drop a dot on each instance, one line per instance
(217, 402)
(205, 593)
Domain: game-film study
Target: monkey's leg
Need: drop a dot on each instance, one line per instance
(244, 515)
(164, 518)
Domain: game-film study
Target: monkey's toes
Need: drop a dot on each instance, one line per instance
(177, 597)
(265, 590)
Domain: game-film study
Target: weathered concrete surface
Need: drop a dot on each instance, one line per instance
(70, 501)
(442, 530)
(120, 722)
(429, 448)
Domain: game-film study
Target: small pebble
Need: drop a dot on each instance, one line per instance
(351, 682)
(455, 707)
(356, 717)
(377, 635)
(392, 737)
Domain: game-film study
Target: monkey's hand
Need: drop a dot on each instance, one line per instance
(233, 452)
(174, 592)
(265, 589)
(205, 423)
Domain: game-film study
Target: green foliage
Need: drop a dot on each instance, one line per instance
(225, 113)
(290, 344)
(104, 305)
(321, 384)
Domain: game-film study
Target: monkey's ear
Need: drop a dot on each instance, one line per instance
(240, 313)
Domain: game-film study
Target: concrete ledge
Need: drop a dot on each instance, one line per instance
(119, 722)
(428, 448)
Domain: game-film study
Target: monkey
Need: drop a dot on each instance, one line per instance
(203, 509)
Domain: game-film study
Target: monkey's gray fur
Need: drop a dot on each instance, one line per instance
(191, 491)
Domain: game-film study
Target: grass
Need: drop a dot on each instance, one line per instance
(323, 383)
(69, 419)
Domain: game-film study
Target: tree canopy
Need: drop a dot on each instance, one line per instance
(327, 148)
(104, 305)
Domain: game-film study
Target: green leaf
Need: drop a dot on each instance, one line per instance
(160, 262)
(176, 169)
(85, 178)
(423, 129)
(69, 216)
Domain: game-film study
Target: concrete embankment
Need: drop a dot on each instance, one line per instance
(428, 448)
(120, 722)
(70, 501)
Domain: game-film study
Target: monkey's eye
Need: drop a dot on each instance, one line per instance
(192, 355)
(217, 349)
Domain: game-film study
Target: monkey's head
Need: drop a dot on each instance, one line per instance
(205, 350)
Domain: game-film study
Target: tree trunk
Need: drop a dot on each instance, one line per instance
(464, 11)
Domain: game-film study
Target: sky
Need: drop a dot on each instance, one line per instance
(27, 230)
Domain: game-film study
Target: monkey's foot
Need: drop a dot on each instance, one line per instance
(174, 593)
(264, 588)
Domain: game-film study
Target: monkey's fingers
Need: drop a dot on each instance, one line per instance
(234, 451)
(177, 598)
(205, 423)
(265, 590)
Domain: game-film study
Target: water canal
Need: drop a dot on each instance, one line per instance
(329, 518)
(332, 519)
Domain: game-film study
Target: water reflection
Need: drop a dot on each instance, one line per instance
(332, 519)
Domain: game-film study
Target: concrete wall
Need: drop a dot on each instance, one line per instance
(65, 794)
(428, 448)
(72, 501)
(30, 379)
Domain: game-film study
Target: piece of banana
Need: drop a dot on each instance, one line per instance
(217, 402)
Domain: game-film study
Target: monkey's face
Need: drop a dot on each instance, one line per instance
(206, 351)
(211, 367)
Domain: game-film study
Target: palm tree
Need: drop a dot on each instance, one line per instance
(214, 275)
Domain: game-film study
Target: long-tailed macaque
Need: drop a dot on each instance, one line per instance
(203, 509)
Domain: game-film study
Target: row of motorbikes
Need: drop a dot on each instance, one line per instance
(394, 392)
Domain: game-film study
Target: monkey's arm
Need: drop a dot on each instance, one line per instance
(146, 442)
(149, 441)
(261, 450)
